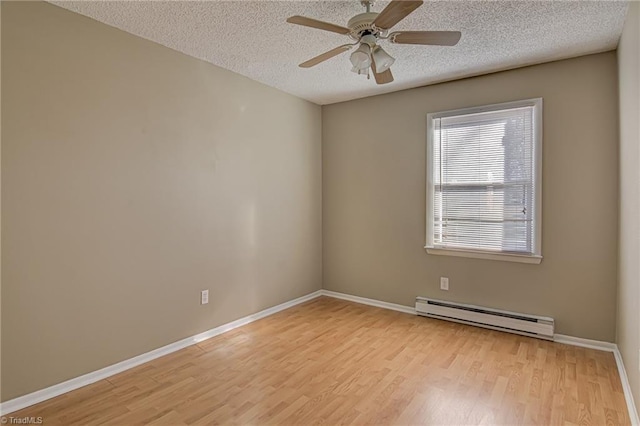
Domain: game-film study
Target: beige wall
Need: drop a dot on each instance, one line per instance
(374, 198)
(0, 202)
(628, 325)
(134, 176)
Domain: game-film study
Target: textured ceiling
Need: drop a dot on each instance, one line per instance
(253, 39)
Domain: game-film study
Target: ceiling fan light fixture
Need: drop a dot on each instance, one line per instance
(382, 59)
(361, 58)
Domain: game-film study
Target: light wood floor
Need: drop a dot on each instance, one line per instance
(335, 362)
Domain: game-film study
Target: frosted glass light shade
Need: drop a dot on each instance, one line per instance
(382, 59)
(361, 58)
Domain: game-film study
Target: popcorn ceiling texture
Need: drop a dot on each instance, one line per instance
(253, 39)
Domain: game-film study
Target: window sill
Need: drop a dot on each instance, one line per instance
(506, 257)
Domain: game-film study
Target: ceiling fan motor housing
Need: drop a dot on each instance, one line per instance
(361, 24)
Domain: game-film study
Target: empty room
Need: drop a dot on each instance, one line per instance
(336, 212)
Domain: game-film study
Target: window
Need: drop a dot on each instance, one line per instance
(484, 182)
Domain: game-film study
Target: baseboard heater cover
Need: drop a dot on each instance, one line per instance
(511, 322)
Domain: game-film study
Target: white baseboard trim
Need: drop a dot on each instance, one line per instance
(370, 302)
(89, 378)
(628, 396)
(585, 343)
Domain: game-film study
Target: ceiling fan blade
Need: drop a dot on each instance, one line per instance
(321, 25)
(326, 55)
(395, 12)
(383, 77)
(436, 38)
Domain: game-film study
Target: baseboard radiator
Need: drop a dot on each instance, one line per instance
(511, 322)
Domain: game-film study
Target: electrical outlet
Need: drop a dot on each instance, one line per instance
(444, 283)
(204, 297)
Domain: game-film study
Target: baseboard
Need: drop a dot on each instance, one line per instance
(89, 378)
(628, 396)
(370, 302)
(585, 343)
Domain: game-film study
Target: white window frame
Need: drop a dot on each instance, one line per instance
(536, 257)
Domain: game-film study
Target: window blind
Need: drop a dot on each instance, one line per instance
(484, 183)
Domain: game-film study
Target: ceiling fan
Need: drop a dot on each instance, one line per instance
(367, 29)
